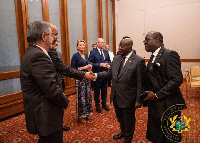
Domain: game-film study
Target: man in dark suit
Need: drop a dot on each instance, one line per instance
(54, 48)
(100, 60)
(168, 94)
(126, 72)
(43, 96)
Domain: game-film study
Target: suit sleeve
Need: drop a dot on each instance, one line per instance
(173, 74)
(92, 60)
(63, 69)
(105, 74)
(140, 77)
(45, 75)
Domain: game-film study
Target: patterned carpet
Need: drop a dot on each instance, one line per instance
(103, 126)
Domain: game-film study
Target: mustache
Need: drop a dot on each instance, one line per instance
(55, 41)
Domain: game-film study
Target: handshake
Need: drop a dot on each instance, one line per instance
(90, 75)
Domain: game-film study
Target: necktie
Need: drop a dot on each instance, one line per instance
(121, 64)
(150, 60)
(102, 57)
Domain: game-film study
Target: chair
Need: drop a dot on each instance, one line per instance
(194, 76)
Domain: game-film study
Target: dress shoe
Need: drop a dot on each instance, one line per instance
(65, 128)
(118, 136)
(105, 107)
(82, 120)
(98, 109)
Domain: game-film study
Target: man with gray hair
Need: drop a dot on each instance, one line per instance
(43, 96)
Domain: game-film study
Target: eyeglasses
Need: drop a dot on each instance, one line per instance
(147, 39)
(124, 45)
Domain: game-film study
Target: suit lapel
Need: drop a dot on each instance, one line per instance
(127, 64)
(97, 52)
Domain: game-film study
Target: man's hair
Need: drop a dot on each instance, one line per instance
(126, 37)
(35, 30)
(93, 44)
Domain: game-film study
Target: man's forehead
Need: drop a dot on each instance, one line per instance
(125, 41)
(150, 34)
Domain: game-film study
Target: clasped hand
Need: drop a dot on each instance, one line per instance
(89, 75)
(105, 65)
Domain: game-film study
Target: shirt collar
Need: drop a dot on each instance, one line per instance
(128, 56)
(42, 50)
(99, 49)
(156, 52)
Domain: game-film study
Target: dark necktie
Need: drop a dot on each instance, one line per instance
(121, 64)
(151, 59)
(102, 57)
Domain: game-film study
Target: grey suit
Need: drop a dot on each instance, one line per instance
(43, 96)
(125, 90)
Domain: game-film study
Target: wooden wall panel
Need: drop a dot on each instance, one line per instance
(45, 10)
(84, 24)
(9, 75)
(113, 27)
(25, 20)
(107, 22)
(100, 18)
(10, 97)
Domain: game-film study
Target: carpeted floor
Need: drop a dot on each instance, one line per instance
(103, 126)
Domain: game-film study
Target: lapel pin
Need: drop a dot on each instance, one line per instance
(129, 61)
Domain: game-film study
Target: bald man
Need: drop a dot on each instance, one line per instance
(126, 73)
(166, 94)
(100, 60)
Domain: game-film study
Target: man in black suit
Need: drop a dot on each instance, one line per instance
(100, 60)
(43, 96)
(164, 91)
(54, 48)
(127, 78)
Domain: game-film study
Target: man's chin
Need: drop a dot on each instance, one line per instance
(119, 53)
(147, 49)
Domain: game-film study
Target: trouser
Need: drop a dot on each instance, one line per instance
(126, 118)
(56, 137)
(100, 85)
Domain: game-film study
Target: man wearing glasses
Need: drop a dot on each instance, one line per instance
(163, 91)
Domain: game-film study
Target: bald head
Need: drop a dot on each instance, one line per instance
(125, 46)
(153, 41)
(55, 32)
(100, 43)
(157, 35)
(128, 41)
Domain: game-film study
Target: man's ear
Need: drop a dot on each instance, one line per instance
(157, 39)
(43, 36)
